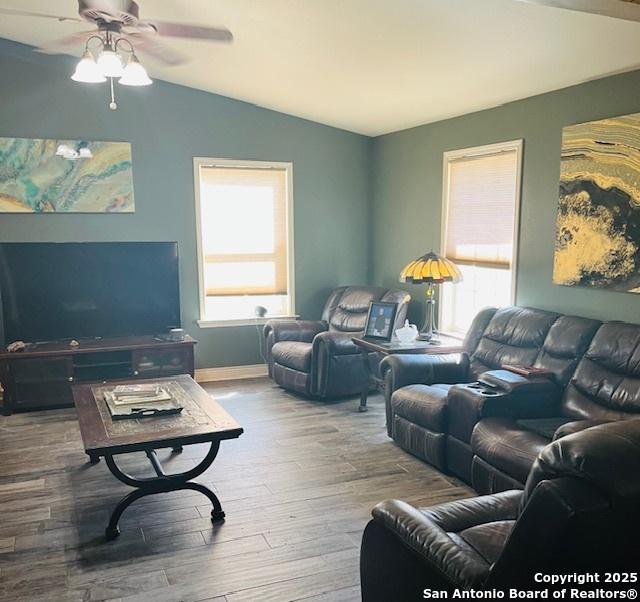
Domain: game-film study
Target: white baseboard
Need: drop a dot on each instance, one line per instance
(207, 375)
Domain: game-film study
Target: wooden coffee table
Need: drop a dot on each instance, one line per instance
(201, 421)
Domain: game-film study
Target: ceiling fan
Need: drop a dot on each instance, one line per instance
(619, 9)
(119, 26)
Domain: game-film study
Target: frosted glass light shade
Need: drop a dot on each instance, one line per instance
(110, 63)
(135, 74)
(87, 70)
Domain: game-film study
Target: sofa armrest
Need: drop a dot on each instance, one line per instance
(336, 343)
(468, 404)
(338, 368)
(575, 427)
(304, 331)
(402, 369)
(418, 532)
(463, 514)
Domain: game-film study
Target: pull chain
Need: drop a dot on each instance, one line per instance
(112, 105)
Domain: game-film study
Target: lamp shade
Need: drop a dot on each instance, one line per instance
(109, 63)
(134, 74)
(430, 268)
(87, 71)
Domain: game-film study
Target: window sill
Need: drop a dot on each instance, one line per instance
(452, 334)
(204, 323)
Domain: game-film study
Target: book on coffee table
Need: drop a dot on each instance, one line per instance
(162, 405)
(140, 401)
(141, 389)
(136, 394)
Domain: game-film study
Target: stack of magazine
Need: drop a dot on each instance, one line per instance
(140, 400)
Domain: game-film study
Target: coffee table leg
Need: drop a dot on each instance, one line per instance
(112, 531)
(162, 483)
(93, 459)
(217, 514)
(364, 354)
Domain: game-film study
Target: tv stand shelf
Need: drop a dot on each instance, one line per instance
(41, 376)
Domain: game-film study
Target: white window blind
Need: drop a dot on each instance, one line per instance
(481, 209)
(243, 215)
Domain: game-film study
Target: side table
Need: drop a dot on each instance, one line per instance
(443, 345)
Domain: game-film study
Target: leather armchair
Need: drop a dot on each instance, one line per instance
(578, 513)
(318, 358)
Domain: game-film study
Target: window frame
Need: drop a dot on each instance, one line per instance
(479, 151)
(200, 162)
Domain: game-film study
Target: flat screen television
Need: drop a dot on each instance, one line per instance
(53, 291)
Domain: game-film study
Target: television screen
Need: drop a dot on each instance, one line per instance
(56, 291)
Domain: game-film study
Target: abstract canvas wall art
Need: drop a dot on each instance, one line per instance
(62, 176)
(598, 224)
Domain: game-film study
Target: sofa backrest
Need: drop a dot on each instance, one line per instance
(565, 344)
(514, 335)
(584, 489)
(606, 383)
(477, 328)
(347, 306)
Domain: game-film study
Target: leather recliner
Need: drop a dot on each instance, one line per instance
(579, 489)
(317, 357)
(605, 387)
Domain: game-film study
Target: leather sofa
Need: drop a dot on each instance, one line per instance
(317, 357)
(578, 489)
(421, 416)
(507, 437)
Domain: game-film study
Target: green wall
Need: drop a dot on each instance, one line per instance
(407, 184)
(363, 207)
(168, 125)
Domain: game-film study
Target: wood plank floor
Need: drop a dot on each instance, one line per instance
(297, 487)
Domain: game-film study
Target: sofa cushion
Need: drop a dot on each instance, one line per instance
(424, 405)
(487, 540)
(293, 354)
(546, 427)
(508, 446)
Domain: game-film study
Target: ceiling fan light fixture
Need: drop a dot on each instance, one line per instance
(109, 62)
(135, 74)
(87, 70)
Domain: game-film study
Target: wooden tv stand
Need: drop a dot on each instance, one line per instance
(41, 376)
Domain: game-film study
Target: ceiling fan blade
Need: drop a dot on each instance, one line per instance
(26, 13)
(72, 44)
(619, 9)
(155, 49)
(181, 30)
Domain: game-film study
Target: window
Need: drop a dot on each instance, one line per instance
(245, 239)
(480, 221)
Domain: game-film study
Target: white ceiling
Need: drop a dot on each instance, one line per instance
(373, 66)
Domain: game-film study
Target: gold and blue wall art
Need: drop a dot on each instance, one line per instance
(65, 176)
(598, 222)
